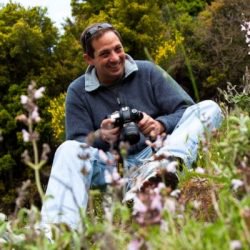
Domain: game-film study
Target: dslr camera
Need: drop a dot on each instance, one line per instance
(127, 119)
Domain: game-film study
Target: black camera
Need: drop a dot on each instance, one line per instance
(127, 118)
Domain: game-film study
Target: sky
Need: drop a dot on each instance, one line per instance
(58, 10)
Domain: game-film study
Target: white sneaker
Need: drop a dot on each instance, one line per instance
(150, 174)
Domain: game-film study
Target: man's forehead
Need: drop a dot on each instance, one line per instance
(109, 39)
(107, 47)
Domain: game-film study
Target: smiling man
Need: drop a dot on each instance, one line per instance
(140, 96)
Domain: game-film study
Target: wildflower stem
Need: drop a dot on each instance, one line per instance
(36, 166)
(38, 184)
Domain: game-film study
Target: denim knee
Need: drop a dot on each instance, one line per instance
(212, 111)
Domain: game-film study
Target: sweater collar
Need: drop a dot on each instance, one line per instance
(92, 82)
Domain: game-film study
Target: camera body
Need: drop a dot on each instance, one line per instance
(126, 118)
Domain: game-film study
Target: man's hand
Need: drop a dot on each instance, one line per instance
(108, 132)
(150, 127)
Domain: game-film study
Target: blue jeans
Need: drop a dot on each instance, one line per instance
(68, 187)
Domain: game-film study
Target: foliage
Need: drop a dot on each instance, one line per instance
(27, 39)
(212, 197)
(199, 216)
(57, 111)
(6, 163)
(141, 31)
(216, 38)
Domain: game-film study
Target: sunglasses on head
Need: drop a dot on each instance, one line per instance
(96, 28)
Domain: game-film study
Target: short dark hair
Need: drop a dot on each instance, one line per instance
(94, 31)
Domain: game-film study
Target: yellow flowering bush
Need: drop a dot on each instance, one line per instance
(57, 111)
(168, 48)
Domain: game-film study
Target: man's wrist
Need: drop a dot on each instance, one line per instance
(162, 128)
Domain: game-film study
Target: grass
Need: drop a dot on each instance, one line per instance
(211, 209)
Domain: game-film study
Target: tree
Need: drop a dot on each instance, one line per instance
(27, 41)
(218, 51)
(140, 22)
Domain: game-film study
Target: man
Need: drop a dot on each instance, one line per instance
(114, 81)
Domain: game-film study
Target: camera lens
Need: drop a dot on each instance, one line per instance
(130, 133)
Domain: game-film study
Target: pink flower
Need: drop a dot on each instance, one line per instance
(139, 207)
(156, 202)
(135, 244)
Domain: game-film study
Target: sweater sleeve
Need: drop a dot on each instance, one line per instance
(78, 120)
(171, 98)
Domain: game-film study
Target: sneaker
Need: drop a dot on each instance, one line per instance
(151, 173)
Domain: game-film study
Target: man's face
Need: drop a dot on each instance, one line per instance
(109, 58)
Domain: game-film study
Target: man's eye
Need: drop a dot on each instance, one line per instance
(118, 49)
(105, 54)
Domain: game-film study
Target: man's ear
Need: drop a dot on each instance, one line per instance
(88, 59)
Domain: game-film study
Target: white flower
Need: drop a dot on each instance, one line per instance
(26, 135)
(243, 28)
(171, 167)
(35, 115)
(3, 217)
(235, 245)
(175, 193)
(24, 99)
(200, 170)
(196, 204)
(237, 184)
(39, 93)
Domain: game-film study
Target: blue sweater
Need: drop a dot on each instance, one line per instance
(145, 87)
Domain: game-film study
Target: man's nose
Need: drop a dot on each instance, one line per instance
(114, 57)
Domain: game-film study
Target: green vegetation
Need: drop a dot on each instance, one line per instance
(197, 41)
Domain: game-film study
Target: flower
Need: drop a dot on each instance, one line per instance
(235, 245)
(171, 167)
(246, 28)
(236, 184)
(26, 135)
(156, 202)
(3, 217)
(175, 193)
(24, 99)
(39, 93)
(197, 204)
(200, 170)
(35, 115)
(135, 244)
(139, 207)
